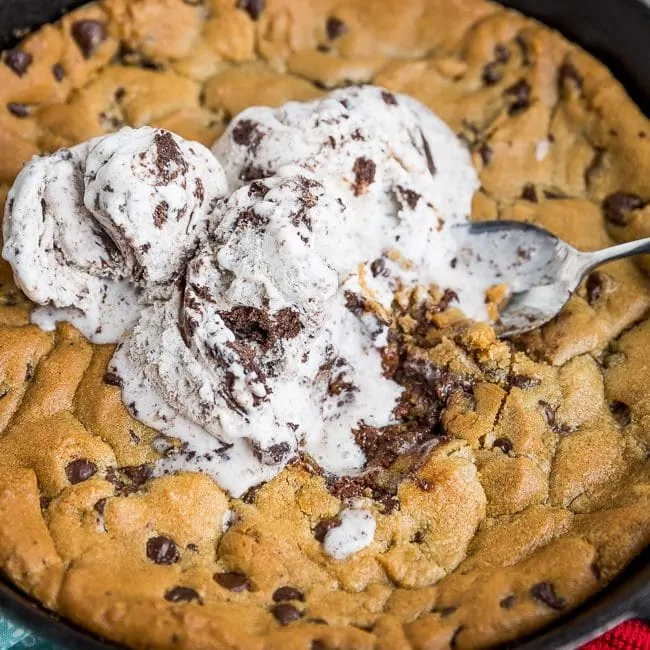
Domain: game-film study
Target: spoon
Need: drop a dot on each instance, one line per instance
(540, 270)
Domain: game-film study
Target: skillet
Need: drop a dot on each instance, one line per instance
(616, 32)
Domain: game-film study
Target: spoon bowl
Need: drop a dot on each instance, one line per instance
(539, 270)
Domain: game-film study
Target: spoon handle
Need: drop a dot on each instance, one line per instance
(638, 247)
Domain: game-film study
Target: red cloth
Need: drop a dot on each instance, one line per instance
(631, 635)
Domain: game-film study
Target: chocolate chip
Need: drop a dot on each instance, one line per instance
(364, 175)
(114, 480)
(162, 550)
(418, 538)
(492, 74)
(287, 593)
(529, 193)
(617, 206)
(285, 613)
(170, 162)
(424, 484)
(100, 506)
(428, 155)
(389, 98)
(80, 470)
(486, 153)
(621, 413)
(520, 94)
(549, 413)
(161, 214)
(18, 60)
(252, 173)
(19, 110)
(89, 35)
(109, 123)
(182, 595)
(253, 8)
(335, 28)
(569, 73)
(410, 196)
(524, 382)
(324, 526)
(507, 602)
(594, 287)
(503, 444)
(232, 581)
(545, 593)
(502, 53)
(58, 71)
(248, 134)
(128, 56)
(112, 379)
(138, 474)
(273, 454)
(287, 324)
(257, 188)
(377, 267)
(44, 501)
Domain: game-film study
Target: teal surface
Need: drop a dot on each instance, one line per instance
(15, 637)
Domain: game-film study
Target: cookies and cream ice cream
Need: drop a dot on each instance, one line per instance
(90, 229)
(258, 281)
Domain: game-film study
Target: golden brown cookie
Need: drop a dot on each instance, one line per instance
(518, 485)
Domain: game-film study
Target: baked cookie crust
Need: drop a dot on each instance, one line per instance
(534, 491)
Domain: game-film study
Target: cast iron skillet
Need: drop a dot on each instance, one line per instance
(616, 31)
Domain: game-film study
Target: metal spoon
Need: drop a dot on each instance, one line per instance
(540, 270)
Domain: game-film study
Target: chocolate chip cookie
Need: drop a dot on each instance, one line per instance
(516, 483)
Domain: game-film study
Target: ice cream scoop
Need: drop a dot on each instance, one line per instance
(91, 229)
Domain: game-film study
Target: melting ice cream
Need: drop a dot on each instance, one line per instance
(250, 290)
